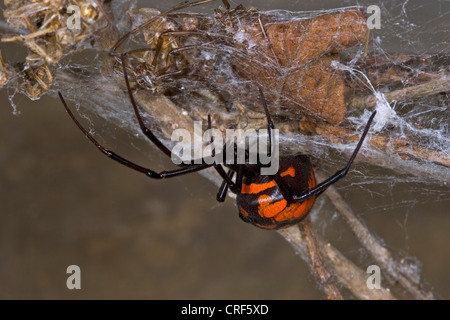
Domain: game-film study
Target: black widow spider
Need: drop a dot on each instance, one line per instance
(266, 201)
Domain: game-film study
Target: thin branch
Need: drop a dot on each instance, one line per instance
(429, 88)
(345, 271)
(403, 148)
(316, 265)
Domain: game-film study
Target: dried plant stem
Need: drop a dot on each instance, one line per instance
(404, 148)
(351, 276)
(405, 275)
(323, 277)
(431, 87)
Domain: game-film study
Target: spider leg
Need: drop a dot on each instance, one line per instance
(217, 166)
(227, 178)
(321, 187)
(287, 193)
(224, 187)
(270, 125)
(149, 173)
(146, 131)
(284, 188)
(239, 175)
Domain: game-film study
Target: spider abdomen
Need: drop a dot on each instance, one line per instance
(261, 202)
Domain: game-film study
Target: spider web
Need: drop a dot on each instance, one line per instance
(392, 186)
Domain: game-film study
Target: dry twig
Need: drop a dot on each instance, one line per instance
(323, 276)
(345, 271)
(432, 87)
(406, 276)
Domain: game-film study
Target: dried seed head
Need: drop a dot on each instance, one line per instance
(90, 12)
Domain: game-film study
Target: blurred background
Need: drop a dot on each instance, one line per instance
(63, 203)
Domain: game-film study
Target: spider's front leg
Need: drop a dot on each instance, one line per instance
(321, 187)
(110, 154)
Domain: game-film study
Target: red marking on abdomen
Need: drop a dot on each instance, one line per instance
(255, 188)
(267, 208)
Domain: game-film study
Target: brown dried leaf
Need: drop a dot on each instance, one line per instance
(292, 59)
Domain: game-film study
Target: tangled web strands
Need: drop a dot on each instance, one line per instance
(404, 75)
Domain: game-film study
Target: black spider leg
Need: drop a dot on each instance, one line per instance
(227, 177)
(110, 154)
(224, 187)
(235, 186)
(321, 187)
(239, 176)
(146, 131)
(284, 188)
(270, 125)
(217, 166)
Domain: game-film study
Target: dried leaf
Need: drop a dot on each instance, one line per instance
(292, 59)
